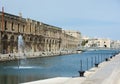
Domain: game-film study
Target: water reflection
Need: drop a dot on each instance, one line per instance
(48, 67)
(9, 79)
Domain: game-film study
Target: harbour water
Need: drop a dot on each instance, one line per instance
(11, 72)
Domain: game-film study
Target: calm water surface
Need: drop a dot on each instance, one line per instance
(48, 67)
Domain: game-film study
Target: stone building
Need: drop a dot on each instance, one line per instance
(98, 42)
(76, 34)
(37, 36)
(70, 39)
(115, 44)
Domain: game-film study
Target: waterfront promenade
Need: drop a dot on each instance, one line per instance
(107, 72)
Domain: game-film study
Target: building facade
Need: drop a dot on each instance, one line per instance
(115, 44)
(37, 36)
(68, 42)
(98, 42)
(76, 35)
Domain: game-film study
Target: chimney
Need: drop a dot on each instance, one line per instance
(20, 15)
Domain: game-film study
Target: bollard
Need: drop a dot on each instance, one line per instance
(106, 59)
(81, 73)
(110, 57)
(113, 55)
(96, 64)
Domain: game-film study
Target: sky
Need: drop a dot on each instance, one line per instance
(93, 18)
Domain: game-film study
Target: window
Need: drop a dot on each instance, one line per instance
(23, 28)
(30, 27)
(12, 26)
(18, 27)
(5, 25)
(35, 29)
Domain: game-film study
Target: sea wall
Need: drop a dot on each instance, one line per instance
(17, 56)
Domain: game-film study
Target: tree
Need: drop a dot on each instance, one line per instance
(84, 42)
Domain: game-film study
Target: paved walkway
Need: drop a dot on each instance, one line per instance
(106, 73)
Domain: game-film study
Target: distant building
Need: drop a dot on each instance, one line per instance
(70, 39)
(115, 44)
(75, 34)
(98, 42)
(85, 37)
(104, 43)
